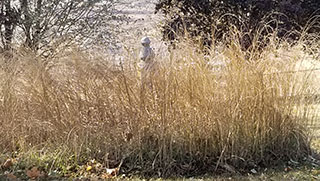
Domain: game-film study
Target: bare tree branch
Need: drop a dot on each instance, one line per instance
(44, 25)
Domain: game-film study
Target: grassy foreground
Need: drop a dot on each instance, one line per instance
(77, 115)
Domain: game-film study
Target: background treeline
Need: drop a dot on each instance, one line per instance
(213, 19)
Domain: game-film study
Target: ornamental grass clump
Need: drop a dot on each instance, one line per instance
(187, 118)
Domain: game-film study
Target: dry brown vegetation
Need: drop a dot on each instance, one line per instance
(189, 118)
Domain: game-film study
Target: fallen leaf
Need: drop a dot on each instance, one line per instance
(110, 173)
(34, 173)
(11, 177)
(7, 164)
(113, 172)
(287, 169)
(89, 168)
(254, 171)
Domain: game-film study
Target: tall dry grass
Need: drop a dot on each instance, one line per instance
(188, 118)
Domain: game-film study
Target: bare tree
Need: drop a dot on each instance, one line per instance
(44, 25)
(8, 22)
